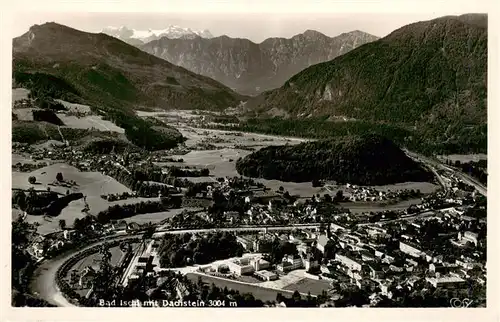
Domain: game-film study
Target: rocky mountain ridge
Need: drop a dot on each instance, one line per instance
(250, 68)
(428, 77)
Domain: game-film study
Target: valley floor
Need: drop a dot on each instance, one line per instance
(221, 162)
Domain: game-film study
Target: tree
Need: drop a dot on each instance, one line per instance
(32, 180)
(339, 196)
(330, 250)
(59, 177)
(148, 234)
(327, 198)
(62, 224)
(296, 296)
(20, 199)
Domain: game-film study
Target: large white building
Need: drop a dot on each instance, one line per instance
(410, 249)
(469, 236)
(350, 263)
(290, 263)
(447, 282)
(247, 265)
(322, 241)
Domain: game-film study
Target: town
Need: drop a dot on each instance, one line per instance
(241, 242)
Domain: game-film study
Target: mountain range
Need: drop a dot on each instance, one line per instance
(429, 77)
(138, 37)
(103, 70)
(250, 68)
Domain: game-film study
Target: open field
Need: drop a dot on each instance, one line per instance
(216, 160)
(303, 189)
(91, 184)
(362, 206)
(24, 114)
(424, 187)
(19, 94)
(284, 280)
(89, 122)
(309, 285)
(170, 164)
(200, 179)
(73, 107)
(195, 135)
(170, 115)
(261, 293)
(156, 217)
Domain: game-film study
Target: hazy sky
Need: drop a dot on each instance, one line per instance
(254, 26)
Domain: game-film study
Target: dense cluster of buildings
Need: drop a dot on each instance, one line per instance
(442, 249)
(418, 248)
(145, 262)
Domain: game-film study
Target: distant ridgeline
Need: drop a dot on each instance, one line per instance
(114, 78)
(363, 160)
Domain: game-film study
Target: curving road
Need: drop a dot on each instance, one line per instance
(438, 164)
(44, 285)
(44, 278)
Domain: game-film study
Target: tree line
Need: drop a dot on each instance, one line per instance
(181, 250)
(363, 160)
(422, 141)
(117, 212)
(43, 203)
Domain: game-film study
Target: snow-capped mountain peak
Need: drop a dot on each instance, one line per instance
(144, 36)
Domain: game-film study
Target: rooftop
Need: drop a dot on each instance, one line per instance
(322, 240)
(266, 273)
(447, 279)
